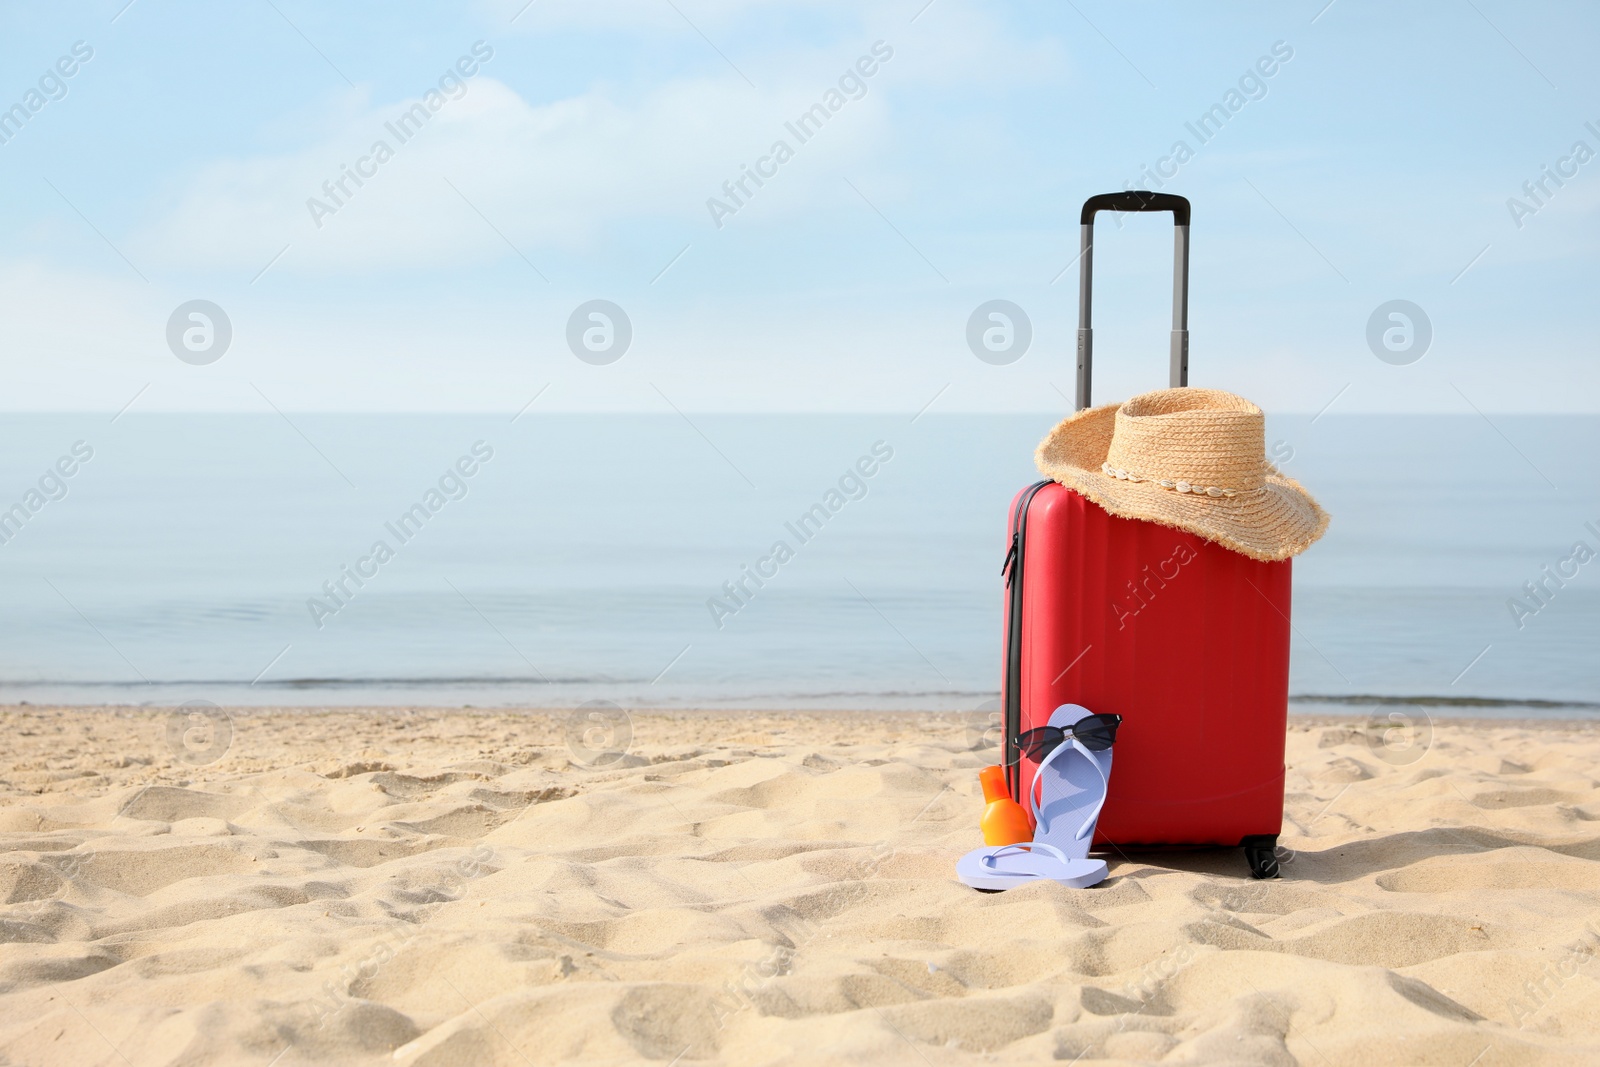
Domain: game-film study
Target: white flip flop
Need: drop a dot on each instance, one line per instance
(1068, 792)
(1009, 866)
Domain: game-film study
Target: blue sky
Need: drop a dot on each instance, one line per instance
(576, 162)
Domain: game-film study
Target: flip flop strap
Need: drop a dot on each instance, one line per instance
(1036, 790)
(1024, 846)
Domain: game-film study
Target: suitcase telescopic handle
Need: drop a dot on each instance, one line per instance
(1135, 200)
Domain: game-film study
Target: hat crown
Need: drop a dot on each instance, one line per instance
(1204, 437)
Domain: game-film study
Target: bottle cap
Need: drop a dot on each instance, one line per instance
(993, 780)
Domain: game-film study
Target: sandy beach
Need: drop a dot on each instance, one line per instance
(462, 887)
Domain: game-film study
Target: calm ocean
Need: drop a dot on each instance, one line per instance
(586, 556)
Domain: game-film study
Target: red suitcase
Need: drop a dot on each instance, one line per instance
(1185, 639)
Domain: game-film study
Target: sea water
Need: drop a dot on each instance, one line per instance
(725, 560)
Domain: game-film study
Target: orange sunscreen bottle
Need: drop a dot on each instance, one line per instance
(1004, 822)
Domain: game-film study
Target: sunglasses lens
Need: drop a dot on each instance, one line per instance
(1099, 732)
(1095, 738)
(1037, 743)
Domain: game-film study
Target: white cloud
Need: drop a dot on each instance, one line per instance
(556, 174)
(550, 175)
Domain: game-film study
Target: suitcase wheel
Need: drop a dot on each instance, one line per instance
(1261, 850)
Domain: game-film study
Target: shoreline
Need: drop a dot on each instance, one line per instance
(1313, 714)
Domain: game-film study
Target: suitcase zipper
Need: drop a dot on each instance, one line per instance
(1012, 569)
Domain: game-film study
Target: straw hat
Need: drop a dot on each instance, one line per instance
(1193, 459)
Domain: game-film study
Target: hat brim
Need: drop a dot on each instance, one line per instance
(1280, 521)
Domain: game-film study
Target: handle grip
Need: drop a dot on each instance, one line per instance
(1134, 200)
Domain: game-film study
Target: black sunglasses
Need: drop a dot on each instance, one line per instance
(1094, 732)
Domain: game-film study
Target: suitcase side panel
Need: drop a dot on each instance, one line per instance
(1188, 641)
